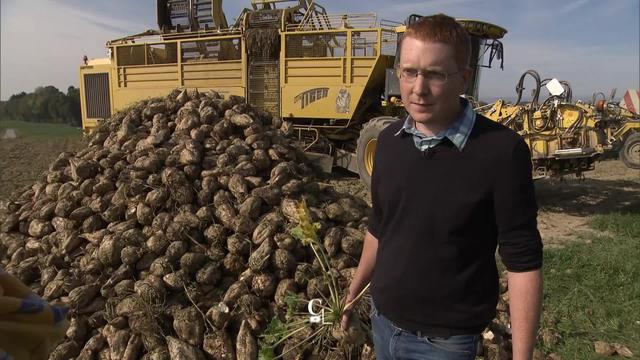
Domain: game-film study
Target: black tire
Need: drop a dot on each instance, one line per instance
(630, 151)
(367, 142)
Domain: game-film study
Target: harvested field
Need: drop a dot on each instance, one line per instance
(566, 205)
(191, 320)
(23, 159)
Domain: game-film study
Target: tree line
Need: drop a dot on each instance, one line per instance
(44, 104)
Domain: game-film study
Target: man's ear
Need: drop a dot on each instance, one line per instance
(466, 77)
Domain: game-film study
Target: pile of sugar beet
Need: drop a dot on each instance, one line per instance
(168, 236)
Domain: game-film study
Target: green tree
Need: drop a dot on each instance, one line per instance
(44, 104)
(73, 96)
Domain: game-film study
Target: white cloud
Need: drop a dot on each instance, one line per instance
(119, 25)
(42, 43)
(572, 6)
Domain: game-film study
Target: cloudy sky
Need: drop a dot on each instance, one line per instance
(593, 44)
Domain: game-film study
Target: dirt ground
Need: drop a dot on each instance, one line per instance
(565, 204)
(22, 161)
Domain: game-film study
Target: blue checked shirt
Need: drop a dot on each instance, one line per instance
(458, 132)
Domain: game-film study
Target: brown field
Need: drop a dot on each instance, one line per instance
(23, 160)
(566, 205)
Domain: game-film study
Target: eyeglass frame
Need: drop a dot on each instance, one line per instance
(424, 73)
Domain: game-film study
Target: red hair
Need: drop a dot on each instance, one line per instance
(443, 29)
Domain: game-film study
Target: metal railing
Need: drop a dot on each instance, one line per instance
(155, 36)
(318, 21)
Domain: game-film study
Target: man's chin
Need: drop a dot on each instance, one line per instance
(421, 117)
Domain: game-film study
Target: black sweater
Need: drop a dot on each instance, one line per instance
(439, 216)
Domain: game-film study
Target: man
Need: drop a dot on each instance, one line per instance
(448, 187)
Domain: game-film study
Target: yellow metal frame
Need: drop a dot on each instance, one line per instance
(343, 77)
(131, 83)
(568, 131)
(105, 67)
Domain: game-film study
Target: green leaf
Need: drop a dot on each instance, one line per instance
(298, 233)
(266, 353)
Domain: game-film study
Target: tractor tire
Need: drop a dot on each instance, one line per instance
(630, 151)
(366, 146)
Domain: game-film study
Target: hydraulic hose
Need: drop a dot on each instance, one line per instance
(568, 93)
(534, 102)
(547, 119)
(520, 88)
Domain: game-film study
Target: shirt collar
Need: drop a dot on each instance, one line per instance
(458, 133)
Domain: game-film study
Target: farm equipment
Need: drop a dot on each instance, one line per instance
(562, 136)
(330, 76)
(617, 124)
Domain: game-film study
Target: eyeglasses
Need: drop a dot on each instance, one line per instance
(431, 76)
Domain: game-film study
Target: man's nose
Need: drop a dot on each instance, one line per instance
(421, 86)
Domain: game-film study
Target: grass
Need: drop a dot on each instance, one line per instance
(26, 129)
(592, 289)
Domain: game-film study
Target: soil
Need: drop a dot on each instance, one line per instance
(566, 205)
(22, 161)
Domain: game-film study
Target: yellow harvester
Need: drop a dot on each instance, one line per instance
(561, 135)
(618, 128)
(331, 76)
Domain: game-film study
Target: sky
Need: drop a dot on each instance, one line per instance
(593, 44)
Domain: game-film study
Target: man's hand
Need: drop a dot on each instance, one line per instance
(362, 275)
(346, 313)
(525, 301)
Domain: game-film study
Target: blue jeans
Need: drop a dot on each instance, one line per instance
(393, 343)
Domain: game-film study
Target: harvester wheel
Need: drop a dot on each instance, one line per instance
(630, 151)
(367, 143)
